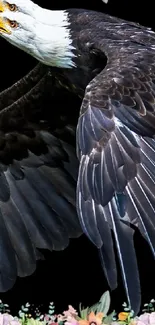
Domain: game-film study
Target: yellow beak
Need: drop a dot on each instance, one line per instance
(2, 6)
(4, 26)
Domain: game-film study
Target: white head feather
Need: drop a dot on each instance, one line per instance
(42, 33)
(27, 7)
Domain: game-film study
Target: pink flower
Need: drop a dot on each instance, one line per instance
(6, 319)
(60, 318)
(71, 321)
(71, 313)
(152, 318)
(146, 319)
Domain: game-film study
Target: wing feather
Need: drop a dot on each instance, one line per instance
(38, 173)
(116, 181)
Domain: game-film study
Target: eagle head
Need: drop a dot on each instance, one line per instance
(44, 34)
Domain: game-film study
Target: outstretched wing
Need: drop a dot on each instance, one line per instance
(116, 149)
(38, 173)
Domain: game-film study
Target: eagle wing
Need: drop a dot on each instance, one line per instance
(38, 173)
(116, 150)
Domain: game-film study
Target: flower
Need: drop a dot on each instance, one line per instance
(71, 321)
(146, 319)
(123, 316)
(7, 319)
(70, 312)
(67, 315)
(92, 319)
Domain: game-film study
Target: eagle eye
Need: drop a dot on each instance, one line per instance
(12, 7)
(13, 23)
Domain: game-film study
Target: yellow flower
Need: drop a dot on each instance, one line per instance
(123, 316)
(92, 319)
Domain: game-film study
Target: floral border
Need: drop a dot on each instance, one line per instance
(94, 315)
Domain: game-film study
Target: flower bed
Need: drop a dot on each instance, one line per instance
(95, 315)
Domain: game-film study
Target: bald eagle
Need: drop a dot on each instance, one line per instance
(77, 140)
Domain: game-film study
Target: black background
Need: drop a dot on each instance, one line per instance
(74, 275)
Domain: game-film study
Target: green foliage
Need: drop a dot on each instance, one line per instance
(51, 309)
(104, 304)
(4, 308)
(110, 318)
(32, 321)
(100, 307)
(23, 313)
(26, 318)
(83, 312)
(149, 307)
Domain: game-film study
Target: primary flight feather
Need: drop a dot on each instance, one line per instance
(94, 85)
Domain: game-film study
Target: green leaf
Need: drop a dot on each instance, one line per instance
(109, 319)
(61, 323)
(83, 312)
(104, 303)
(32, 321)
(132, 313)
(94, 307)
(21, 314)
(51, 312)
